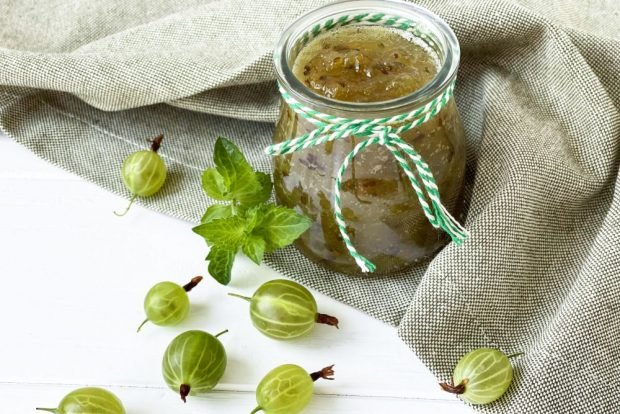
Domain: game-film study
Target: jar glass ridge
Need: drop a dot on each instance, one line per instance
(384, 219)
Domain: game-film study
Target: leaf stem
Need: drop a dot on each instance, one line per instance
(326, 373)
(156, 142)
(257, 409)
(454, 389)
(184, 391)
(133, 198)
(193, 283)
(221, 333)
(327, 320)
(141, 325)
(51, 410)
(235, 295)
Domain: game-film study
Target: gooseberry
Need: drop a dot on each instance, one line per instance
(194, 363)
(283, 309)
(287, 389)
(481, 376)
(88, 401)
(167, 304)
(144, 172)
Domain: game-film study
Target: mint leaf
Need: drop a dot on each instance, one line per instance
(230, 161)
(254, 248)
(253, 217)
(221, 260)
(246, 223)
(264, 192)
(215, 186)
(224, 231)
(280, 226)
(245, 186)
(216, 211)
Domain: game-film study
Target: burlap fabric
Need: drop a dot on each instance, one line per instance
(82, 83)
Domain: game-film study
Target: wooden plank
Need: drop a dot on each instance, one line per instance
(23, 398)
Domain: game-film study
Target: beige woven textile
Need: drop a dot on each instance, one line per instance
(83, 82)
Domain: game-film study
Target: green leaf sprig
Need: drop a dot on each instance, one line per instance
(247, 223)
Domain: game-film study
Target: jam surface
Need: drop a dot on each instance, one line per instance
(384, 218)
(364, 64)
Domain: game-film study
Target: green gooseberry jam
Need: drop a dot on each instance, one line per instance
(88, 401)
(364, 64)
(287, 389)
(481, 376)
(194, 363)
(283, 309)
(367, 64)
(167, 303)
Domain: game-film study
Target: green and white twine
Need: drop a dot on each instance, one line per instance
(380, 131)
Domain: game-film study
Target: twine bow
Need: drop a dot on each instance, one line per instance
(385, 132)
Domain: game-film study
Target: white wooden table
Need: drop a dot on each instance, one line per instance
(73, 280)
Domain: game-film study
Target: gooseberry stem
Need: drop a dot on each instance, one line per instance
(221, 333)
(327, 320)
(51, 410)
(156, 142)
(517, 354)
(193, 283)
(141, 325)
(240, 297)
(454, 389)
(184, 390)
(257, 409)
(133, 198)
(326, 373)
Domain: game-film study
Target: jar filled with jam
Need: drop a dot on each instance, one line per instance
(377, 59)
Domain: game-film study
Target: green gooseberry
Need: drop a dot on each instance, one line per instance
(288, 389)
(283, 309)
(194, 363)
(144, 172)
(167, 304)
(88, 401)
(481, 376)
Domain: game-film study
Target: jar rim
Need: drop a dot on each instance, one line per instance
(441, 34)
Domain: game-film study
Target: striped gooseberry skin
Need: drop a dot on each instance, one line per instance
(283, 309)
(486, 374)
(166, 304)
(89, 401)
(286, 389)
(194, 363)
(144, 173)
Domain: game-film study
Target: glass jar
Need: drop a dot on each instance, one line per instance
(383, 216)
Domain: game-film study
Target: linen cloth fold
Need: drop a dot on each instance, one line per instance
(83, 83)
